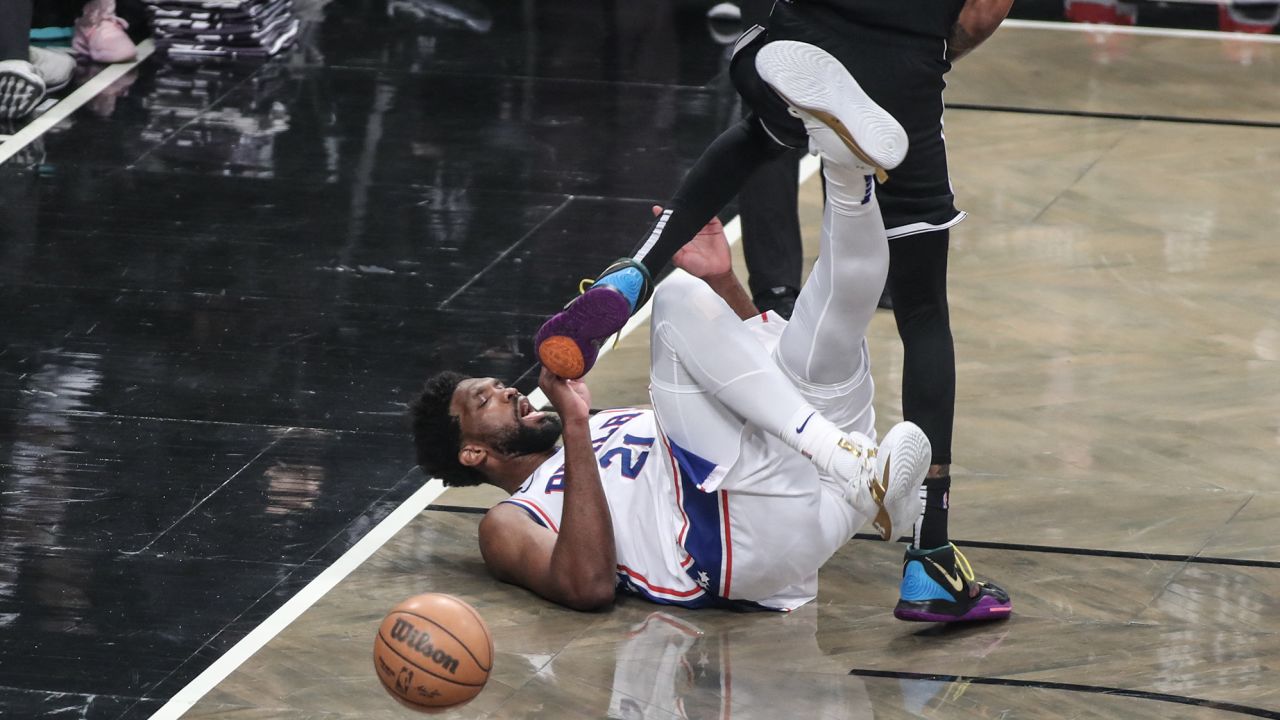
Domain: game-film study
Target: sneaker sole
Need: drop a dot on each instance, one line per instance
(987, 608)
(809, 79)
(907, 454)
(568, 343)
(19, 94)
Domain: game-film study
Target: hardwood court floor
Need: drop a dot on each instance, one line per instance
(1117, 322)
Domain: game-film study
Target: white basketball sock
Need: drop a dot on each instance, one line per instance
(819, 440)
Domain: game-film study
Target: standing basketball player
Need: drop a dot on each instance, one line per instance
(901, 51)
(756, 463)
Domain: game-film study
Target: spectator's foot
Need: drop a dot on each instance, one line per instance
(21, 89)
(29, 155)
(938, 586)
(724, 22)
(101, 37)
(468, 13)
(54, 68)
(780, 300)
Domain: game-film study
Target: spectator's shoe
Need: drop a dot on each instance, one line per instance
(29, 155)
(54, 68)
(724, 22)
(467, 13)
(569, 342)
(725, 11)
(101, 37)
(822, 93)
(21, 89)
(780, 300)
(938, 586)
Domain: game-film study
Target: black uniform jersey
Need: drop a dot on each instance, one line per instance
(934, 18)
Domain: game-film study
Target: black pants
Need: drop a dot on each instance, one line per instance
(15, 24)
(768, 207)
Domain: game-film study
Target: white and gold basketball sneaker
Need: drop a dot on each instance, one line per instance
(885, 481)
(846, 127)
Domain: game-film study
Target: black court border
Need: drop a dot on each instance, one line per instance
(1230, 122)
(1127, 554)
(1073, 687)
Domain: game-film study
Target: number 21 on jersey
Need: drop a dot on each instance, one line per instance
(628, 459)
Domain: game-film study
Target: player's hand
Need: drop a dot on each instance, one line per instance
(706, 256)
(570, 398)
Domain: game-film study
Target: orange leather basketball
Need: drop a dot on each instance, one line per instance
(433, 651)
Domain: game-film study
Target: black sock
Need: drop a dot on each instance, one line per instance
(931, 529)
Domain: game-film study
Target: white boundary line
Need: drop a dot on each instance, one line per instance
(316, 589)
(71, 103)
(1130, 30)
(188, 696)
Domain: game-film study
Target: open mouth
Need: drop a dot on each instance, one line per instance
(525, 411)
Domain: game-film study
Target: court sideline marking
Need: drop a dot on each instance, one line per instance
(71, 103)
(187, 697)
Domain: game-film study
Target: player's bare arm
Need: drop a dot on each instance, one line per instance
(978, 21)
(707, 257)
(577, 567)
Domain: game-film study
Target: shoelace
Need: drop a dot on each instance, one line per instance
(867, 466)
(962, 562)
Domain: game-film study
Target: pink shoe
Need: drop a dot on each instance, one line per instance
(104, 41)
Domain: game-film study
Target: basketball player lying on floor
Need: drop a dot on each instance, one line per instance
(755, 465)
(757, 462)
(740, 483)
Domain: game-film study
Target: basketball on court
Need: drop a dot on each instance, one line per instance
(433, 651)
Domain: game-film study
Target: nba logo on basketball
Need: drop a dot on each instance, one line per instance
(404, 680)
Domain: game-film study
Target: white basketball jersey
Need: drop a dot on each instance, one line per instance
(670, 537)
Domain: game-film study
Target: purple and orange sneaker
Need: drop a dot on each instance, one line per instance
(938, 586)
(569, 343)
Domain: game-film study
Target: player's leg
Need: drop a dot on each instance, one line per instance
(937, 585)
(822, 349)
(569, 341)
(725, 409)
(918, 275)
(905, 76)
(711, 379)
(567, 344)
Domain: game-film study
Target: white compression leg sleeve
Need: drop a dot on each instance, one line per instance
(699, 346)
(822, 344)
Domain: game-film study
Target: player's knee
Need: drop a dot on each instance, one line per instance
(677, 292)
(918, 305)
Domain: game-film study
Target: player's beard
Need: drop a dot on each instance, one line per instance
(525, 440)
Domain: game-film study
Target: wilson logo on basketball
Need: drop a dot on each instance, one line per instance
(420, 641)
